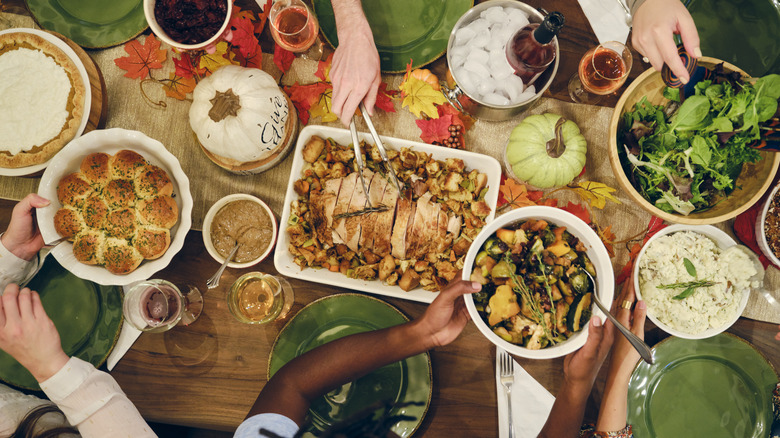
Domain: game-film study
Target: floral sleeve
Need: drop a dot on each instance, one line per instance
(589, 431)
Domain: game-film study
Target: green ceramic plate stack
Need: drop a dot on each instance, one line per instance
(87, 316)
(334, 317)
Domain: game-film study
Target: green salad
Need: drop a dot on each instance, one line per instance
(685, 158)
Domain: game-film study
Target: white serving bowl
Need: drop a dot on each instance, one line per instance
(761, 230)
(210, 218)
(596, 251)
(723, 241)
(112, 141)
(155, 26)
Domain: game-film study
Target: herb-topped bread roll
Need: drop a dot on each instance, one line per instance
(73, 189)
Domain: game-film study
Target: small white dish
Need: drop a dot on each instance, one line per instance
(111, 141)
(31, 170)
(210, 218)
(160, 33)
(723, 241)
(596, 251)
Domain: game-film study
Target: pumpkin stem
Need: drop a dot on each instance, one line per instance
(224, 104)
(556, 147)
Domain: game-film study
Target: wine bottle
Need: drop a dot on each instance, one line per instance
(531, 50)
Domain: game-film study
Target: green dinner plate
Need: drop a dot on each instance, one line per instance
(88, 317)
(93, 24)
(745, 33)
(709, 388)
(403, 29)
(334, 317)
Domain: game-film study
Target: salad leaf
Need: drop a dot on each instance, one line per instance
(672, 94)
(692, 113)
(769, 86)
(677, 204)
(701, 152)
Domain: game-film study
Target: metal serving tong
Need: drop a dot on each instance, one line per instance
(380, 146)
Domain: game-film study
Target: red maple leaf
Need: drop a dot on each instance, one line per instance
(578, 210)
(143, 57)
(625, 273)
(304, 96)
(254, 59)
(384, 98)
(435, 129)
(656, 224)
(186, 67)
(242, 35)
(283, 58)
(323, 68)
(262, 17)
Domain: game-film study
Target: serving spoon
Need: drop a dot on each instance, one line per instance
(213, 282)
(638, 344)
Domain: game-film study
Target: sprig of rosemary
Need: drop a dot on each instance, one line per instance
(689, 286)
(367, 210)
(527, 296)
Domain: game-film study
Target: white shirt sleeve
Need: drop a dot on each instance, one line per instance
(94, 403)
(13, 269)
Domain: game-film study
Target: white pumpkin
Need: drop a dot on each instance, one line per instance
(546, 150)
(241, 117)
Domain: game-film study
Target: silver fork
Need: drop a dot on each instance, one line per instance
(213, 282)
(506, 367)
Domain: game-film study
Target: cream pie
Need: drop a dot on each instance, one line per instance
(42, 99)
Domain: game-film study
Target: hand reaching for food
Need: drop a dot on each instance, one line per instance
(445, 318)
(22, 237)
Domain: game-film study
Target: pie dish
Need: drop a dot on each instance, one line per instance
(43, 99)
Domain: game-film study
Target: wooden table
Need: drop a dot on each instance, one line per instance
(208, 374)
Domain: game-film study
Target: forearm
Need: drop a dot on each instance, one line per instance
(349, 17)
(565, 418)
(612, 414)
(291, 390)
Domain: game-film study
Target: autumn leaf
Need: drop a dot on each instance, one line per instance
(420, 97)
(608, 238)
(514, 194)
(242, 35)
(213, 61)
(656, 224)
(458, 118)
(595, 193)
(384, 98)
(254, 60)
(262, 17)
(283, 58)
(625, 273)
(143, 57)
(322, 107)
(550, 202)
(178, 87)
(186, 66)
(305, 96)
(323, 69)
(434, 130)
(578, 210)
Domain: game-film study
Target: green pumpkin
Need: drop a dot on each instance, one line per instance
(546, 150)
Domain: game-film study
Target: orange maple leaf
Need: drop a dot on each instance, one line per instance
(143, 57)
(608, 237)
(178, 87)
(323, 68)
(515, 194)
(625, 273)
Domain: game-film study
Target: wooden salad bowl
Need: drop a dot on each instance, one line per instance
(752, 183)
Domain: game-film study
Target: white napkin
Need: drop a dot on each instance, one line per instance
(607, 18)
(531, 404)
(127, 338)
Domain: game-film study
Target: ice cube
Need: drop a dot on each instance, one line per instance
(495, 42)
(496, 14)
(479, 56)
(478, 25)
(456, 61)
(506, 34)
(515, 14)
(480, 40)
(477, 68)
(463, 36)
(486, 87)
(495, 99)
(510, 88)
(465, 80)
(499, 66)
(459, 51)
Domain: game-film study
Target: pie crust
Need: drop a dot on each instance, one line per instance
(75, 107)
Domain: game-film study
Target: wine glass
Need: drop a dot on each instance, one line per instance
(294, 27)
(158, 305)
(258, 298)
(602, 70)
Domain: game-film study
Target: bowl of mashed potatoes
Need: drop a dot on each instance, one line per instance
(695, 280)
(244, 220)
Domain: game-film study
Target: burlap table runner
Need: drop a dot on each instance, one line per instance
(169, 124)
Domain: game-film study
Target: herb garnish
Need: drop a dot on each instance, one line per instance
(689, 286)
(689, 267)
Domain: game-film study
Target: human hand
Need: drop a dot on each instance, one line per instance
(624, 355)
(22, 237)
(446, 316)
(354, 73)
(777, 336)
(27, 333)
(655, 23)
(581, 367)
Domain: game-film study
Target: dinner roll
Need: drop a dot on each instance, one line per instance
(94, 168)
(125, 164)
(119, 257)
(119, 193)
(88, 247)
(152, 181)
(160, 211)
(68, 222)
(121, 223)
(73, 189)
(94, 211)
(152, 242)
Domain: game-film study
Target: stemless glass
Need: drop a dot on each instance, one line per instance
(258, 298)
(294, 27)
(602, 70)
(158, 305)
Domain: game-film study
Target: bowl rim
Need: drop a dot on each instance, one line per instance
(723, 241)
(162, 35)
(761, 230)
(596, 251)
(620, 175)
(209, 218)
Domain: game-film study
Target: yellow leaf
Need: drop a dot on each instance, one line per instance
(322, 107)
(213, 61)
(595, 193)
(420, 97)
(177, 87)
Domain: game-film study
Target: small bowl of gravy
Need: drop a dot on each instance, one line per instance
(242, 219)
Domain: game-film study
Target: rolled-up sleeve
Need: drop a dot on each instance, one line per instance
(13, 269)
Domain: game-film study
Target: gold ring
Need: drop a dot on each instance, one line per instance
(627, 304)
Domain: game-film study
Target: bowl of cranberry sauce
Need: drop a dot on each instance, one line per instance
(188, 24)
